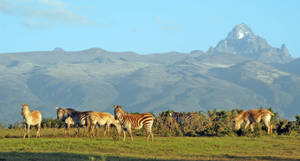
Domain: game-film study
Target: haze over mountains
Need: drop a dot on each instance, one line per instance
(242, 71)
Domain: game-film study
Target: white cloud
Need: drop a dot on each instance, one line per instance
(5, 7)
(36, 24)
(33, 11)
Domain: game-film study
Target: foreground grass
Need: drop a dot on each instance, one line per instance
(163, 148)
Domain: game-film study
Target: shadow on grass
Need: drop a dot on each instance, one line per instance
(30, 156)
(255, 158)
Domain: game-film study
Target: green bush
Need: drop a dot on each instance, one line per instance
(52, 123)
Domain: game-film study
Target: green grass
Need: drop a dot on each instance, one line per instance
(57, 147)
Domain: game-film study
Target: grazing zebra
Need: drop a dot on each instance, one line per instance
(31, 119)
(71, 116)
(253, 116)
(135, 121)
(103, 118)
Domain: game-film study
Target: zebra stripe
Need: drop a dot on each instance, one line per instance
(181, 117)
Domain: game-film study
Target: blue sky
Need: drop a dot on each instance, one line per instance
(142, 26)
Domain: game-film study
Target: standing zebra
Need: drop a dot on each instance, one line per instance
(31, 119)
(135, 121)
(71, 116)
(103, 119)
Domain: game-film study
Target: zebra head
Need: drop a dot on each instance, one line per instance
(60, 113)
(25, 109)
(118, 111)
(238, 120)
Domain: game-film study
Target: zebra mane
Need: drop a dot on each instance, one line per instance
(122, 110)
(70, 111)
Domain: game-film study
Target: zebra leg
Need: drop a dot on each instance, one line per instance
(107, 128)
(78, 130)
(271, 128)
(130, 133)
(38, 130)
(252, 126)
(148, 128)
(268, 124)
(25, 130)
(69, 129)
(151, 136)
(247, 124)
(65, 129)
(148, 135)
(124, 135)
(28, 131)
(89, 131)
(86, 128)
(93, 130)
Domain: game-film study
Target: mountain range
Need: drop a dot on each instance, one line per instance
(242, 71)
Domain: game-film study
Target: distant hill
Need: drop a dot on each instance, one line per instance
(238, 73)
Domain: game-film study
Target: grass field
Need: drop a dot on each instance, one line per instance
(57, 147)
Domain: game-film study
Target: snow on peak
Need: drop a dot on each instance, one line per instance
(240, 31)
(240, 35)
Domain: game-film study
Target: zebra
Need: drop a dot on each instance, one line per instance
(31, 118)
(253, 116)
(71, 116)
(136, 121)
(181, 117)
(102, 118)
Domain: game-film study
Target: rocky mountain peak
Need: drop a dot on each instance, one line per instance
(241, 40)
(241, 31)
(284, 50)
(58, 49)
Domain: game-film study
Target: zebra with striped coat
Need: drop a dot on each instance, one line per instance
(135, 121)
(71, 116)
(31, 119)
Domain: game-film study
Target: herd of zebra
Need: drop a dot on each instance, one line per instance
(121, 120)
(125, 122)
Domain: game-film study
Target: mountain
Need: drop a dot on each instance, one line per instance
(95, 79)
(291, 67)
(241, 40)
